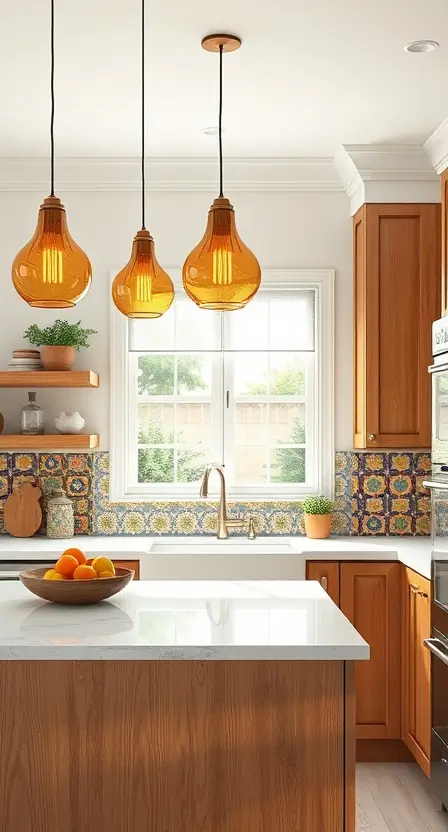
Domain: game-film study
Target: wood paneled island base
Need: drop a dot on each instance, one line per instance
(177, 746)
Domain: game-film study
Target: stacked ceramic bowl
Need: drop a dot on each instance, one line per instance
(25, 360)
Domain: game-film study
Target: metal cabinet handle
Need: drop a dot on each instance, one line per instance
(437, 648)
(372, 437)
(417, 591)
(324, 582)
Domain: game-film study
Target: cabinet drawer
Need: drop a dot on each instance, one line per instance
(130, 564)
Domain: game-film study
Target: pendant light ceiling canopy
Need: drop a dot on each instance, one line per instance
(221, 272)
(52, 271)
(143, 289)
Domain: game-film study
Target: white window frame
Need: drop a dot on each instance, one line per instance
(320, 423)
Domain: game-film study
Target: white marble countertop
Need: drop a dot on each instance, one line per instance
(216, 620)
(414, 552)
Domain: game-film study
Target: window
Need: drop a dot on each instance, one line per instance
(250, 389)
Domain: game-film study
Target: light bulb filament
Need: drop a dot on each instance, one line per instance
(52, 270)
(222, 267)
(144, 288)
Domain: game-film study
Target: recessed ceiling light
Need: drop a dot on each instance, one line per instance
(211, 131)
(422, 46)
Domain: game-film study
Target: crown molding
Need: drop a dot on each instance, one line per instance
(386, 173)
(436, 147)
(107, 174)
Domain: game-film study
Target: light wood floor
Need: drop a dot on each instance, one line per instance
(396, 797)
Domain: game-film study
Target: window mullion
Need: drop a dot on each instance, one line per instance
(230, 418)
(217, 397)
(133, 420)
(175, 392)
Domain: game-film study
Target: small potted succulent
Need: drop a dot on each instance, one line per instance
(59, 342)
(317, 516)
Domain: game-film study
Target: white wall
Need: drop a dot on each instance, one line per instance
(285, 230)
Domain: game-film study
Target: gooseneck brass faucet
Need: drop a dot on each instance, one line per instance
(224, 522)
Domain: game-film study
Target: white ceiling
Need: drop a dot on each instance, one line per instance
(310, 76)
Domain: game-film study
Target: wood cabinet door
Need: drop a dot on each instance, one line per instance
(416, 679)
(130, 564)
(327, 573)
(397, 297)
(371, 599)
(444, 183)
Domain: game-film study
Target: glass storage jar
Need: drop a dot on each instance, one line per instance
(32, 417)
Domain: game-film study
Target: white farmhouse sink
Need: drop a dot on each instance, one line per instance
(234, 559)
(221, 547)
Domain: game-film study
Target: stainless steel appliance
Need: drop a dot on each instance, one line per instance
(9, 570)
(438, 645)
(438, 485)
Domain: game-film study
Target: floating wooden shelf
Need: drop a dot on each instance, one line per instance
(45, 378)
(49, 441)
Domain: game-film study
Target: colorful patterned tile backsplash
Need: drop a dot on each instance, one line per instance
(51, 471)
(375, 494)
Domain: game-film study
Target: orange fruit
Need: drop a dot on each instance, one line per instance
(52, 575)
(84, 573)
(76, 553)
(66, 565)
(103, 564)
(106, 574)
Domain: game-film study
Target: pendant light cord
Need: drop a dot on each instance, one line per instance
(52, 96)
(221, 194)
(143, 114)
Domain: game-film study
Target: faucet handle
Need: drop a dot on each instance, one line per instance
(251, 533)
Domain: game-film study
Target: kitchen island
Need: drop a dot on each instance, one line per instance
(178, 707)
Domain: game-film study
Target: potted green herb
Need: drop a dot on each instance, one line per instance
(59, 342)
(317, 516)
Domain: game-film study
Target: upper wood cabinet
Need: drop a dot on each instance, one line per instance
(371, 599)
(444, 183)
(416, 681)
(397, 297)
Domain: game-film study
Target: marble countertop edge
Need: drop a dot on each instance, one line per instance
(221, 653)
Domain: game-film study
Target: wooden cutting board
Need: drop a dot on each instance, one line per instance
(23, 514)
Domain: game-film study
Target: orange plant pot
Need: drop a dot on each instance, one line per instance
(317, 526)
(57, 358)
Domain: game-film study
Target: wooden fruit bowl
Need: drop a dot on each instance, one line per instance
(75, 592)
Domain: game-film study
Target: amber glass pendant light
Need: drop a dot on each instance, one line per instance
(221, 272)
(143, 289)
(52, 271)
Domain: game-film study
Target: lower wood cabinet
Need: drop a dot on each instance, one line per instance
(371, 600)
(416, 667)
(390, 606)
(370, 594)
(327, 573)
(130, 564)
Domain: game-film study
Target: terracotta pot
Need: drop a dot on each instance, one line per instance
(317, 526)
(57, 358)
